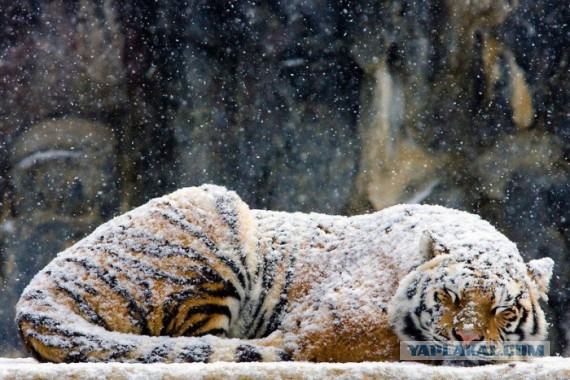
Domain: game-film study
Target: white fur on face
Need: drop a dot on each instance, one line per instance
(415, 310)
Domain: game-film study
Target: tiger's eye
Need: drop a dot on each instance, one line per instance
(505, 312)
(441, 296)
(446, 296)
(509, 314)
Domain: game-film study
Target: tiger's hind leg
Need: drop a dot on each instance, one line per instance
(156, 285)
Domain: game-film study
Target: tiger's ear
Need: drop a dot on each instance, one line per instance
(427, 246)
(540, 272)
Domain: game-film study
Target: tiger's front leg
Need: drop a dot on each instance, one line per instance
(341, 332)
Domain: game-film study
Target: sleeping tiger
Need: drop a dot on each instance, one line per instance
(197, 276)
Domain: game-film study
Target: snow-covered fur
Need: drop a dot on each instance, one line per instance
(198, 276)
(473, 286)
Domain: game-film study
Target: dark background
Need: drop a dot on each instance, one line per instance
(340, 107)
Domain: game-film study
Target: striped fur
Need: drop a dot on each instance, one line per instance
(489, 299)
(196, 276)
(181, 267)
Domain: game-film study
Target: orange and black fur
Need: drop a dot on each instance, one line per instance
(196, 276)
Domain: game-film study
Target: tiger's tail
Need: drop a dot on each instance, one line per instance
(56, 334)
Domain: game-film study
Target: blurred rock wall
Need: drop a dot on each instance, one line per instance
(330, 106)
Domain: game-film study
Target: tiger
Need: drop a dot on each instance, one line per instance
(198, 276)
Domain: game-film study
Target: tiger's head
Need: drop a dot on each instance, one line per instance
(481, 296)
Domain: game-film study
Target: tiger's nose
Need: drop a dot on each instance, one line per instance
(467, 336)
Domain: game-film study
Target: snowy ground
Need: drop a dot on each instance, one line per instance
(545, 368)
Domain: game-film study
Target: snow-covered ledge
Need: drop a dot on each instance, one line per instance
(546, 368)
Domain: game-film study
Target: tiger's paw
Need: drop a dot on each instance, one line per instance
(275, 339)
(268, 349)
(271, 347)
